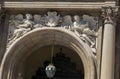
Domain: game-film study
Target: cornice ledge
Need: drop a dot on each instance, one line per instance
(77, 5)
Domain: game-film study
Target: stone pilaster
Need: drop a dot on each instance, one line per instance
(4, 18)
(117, 56)
(108, 48)
(1, 31)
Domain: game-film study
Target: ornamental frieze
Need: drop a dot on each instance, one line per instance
(85, 26)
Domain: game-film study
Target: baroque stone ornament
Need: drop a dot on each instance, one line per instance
(67, 22)
(21, 27)
(52, 19)
(85, 26)
(38, 20)
(82, 28)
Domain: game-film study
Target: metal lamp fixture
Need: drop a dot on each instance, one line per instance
(51, 69)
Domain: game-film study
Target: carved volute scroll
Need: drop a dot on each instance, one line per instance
(84, 26)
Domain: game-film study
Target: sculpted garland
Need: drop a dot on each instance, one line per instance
(84, 26)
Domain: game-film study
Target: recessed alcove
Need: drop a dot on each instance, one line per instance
(70, 63)
(31, 51)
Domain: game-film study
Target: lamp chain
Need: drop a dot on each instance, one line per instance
(52, 50)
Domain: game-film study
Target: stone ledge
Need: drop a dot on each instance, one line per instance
(77, 5)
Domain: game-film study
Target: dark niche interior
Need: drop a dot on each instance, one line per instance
(65, 69)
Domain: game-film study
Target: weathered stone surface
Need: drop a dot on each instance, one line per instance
(32, 41)
(63, 0)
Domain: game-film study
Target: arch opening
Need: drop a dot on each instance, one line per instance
(38, 38)
(68, 63)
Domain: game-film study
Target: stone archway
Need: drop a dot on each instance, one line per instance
(42, 37)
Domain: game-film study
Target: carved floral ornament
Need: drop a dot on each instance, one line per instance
(84, 26)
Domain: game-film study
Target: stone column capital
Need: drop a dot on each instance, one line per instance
(108, 49)
(110, 14)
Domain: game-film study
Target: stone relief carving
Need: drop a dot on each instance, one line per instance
(85, 26)
(78, 26)
(52, 19)
(21, 26)
(13, 22)
(67, 22)
(38, 20)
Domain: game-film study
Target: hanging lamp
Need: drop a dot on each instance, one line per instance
(51, 69)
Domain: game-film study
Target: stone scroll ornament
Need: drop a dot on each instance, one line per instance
(85, 26)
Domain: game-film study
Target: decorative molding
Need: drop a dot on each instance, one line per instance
(109, 14)
(85, 26)
(77, 5)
